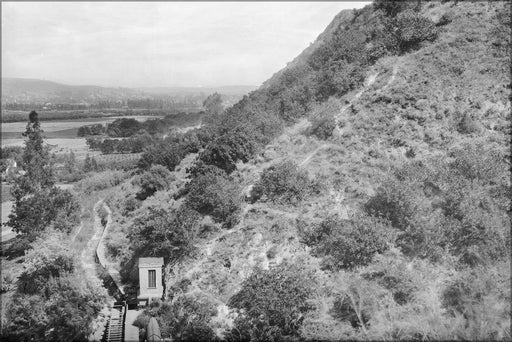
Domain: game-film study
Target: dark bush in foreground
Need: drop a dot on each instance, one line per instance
(273, 303)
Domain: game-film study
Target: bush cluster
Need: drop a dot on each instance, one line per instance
(155, 179)
(215, 193)
(456, 206)
(345, 244)
(272, 304)
(284, 183)
(52, 302)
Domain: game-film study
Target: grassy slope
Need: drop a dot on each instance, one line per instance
(414, 98)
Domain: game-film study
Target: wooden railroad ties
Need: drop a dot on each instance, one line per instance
(115, 326)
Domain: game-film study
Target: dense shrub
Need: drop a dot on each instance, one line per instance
(48, 258)
(272, 304)
(32, 215)
(156, 178)
(284, 182)
(323, 128)
(391, 7)
(168, 155)
(216, 194)
(412, 29)
(123, 127)
(226, 150)
(186, 318)
(88, 130)
(457, 206)
(53, 302)
(345, 244)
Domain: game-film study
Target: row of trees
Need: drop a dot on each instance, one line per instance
(127, 127)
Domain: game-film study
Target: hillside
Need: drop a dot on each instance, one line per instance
(362, 193)
(390, 195)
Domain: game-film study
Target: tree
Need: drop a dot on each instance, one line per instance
(161, 233)
(213, 107)
(226, 150)
(39, 173)
(37, 202)
(157, 178)
(48, 258)
(215, 193)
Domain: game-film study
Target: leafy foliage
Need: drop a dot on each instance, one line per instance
(38, 203)
(53, 301)
(345, 244)
(284, 182)
(272, 304)
(412, 29)
(226, 150)
(215, 193)
(157, 178)
(160, 233)
(457, 205)
(185, 318)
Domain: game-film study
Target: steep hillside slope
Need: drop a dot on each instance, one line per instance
(379, 209)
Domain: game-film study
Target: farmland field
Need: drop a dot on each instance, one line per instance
(60, 135)
(61, 128)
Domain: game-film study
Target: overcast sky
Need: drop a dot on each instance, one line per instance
(134, 44)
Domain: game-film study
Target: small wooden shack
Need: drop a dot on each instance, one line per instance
(150, 279)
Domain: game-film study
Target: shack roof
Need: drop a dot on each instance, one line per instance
(151, 261)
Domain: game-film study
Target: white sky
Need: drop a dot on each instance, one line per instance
(133, 44)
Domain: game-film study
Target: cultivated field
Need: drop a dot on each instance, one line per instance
(60, 135)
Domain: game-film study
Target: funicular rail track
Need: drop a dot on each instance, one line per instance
(115, 328)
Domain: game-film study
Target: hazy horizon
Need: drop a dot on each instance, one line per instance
(171, 44)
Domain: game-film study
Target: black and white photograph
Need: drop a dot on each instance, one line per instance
(236, 171)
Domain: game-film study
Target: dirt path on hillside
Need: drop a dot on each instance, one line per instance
(312, 154)
(369, 81)
(87, 257)
(88, 262)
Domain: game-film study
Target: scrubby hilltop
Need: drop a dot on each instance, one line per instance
(361, 193)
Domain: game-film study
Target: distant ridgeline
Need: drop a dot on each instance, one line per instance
(55, 101)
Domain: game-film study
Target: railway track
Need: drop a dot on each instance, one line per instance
(114, 331)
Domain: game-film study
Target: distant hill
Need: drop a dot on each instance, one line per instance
(36, 91)
(23, 90)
